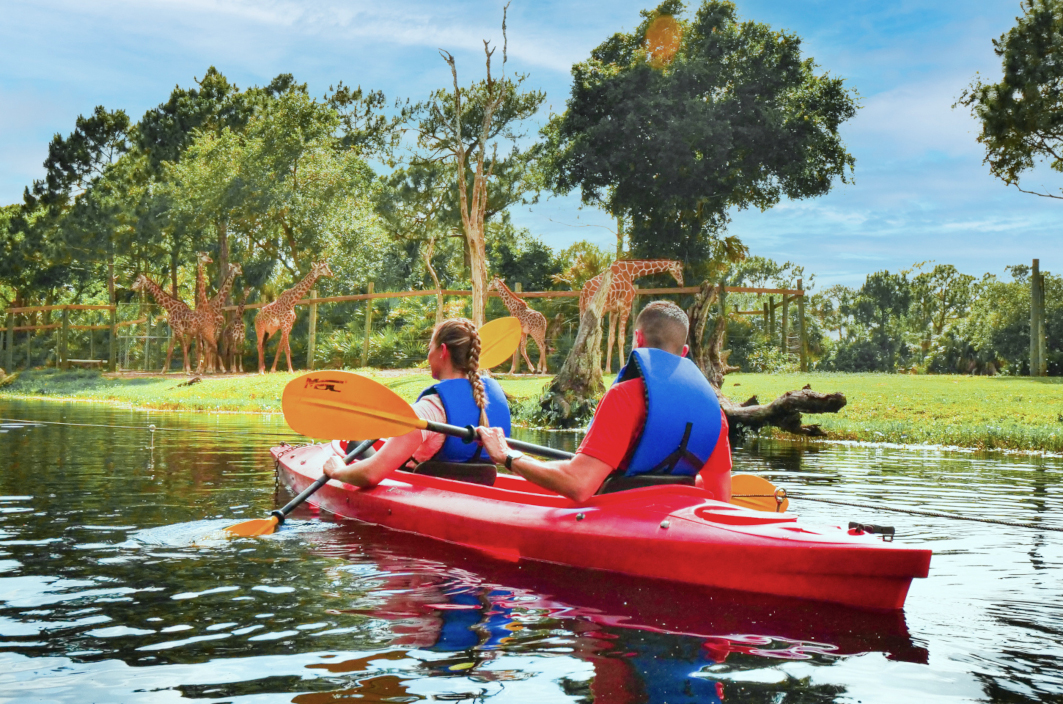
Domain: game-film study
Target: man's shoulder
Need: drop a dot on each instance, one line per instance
(632, 391)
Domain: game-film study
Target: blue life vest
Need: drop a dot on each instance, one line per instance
(682, 414)
(461, 409)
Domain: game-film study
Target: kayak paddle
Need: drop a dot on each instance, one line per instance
(344, 404)
(498, 341)
(751, 491)
(265, 526)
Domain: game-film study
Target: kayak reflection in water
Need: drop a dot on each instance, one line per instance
(461, 397)
(660, 423)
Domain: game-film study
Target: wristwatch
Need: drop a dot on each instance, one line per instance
(513, 455)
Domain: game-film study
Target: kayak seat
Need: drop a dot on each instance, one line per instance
(618, 482)
(474, 473)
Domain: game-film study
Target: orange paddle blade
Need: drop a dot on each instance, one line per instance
(498, 341)
(335, 404)
(751, 491)
(249, 529)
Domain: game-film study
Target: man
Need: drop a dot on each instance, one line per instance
(661, 418)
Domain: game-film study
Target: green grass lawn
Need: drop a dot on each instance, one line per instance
(245, 393)
(979, 412)
(969, 411)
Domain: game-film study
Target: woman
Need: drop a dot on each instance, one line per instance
(461, 397)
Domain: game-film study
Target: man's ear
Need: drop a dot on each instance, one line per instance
(640, 340)
(686, 349)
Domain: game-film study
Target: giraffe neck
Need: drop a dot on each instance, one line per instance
(162, 298)
(644, 267)
(289, 297)
(510, 299)
(226, 286)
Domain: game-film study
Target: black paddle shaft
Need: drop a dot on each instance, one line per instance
(468, 434)
(305, 494)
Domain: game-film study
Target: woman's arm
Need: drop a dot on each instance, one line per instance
(371, 471)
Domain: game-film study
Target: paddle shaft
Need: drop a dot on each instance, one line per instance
(281, 513)
(469, 435)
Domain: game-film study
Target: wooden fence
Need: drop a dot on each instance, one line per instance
(768, 312)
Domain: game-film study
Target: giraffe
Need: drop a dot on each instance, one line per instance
(236, 336)
(179, 315)
(280, 315)
(202, 259)
(622, 293)
(215, 304)
(532, 322)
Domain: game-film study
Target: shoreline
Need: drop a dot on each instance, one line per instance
(921, 413)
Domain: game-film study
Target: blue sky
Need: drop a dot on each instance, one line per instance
(921, 191)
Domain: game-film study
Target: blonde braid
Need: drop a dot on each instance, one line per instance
(478, 391)
(463, 341)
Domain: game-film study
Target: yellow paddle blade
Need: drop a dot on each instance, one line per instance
(751, 491)
(498, 341)
(334, 404)
(249, 529)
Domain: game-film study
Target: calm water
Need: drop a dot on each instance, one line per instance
(113, 588)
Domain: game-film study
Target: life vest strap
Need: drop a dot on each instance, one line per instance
(667, 465)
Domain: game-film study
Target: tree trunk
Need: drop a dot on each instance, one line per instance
(574, 392)
(426, 254)
(478, 257)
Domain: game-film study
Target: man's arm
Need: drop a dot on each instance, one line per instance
(577, 479)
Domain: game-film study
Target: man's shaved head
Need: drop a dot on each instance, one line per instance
(664, 325)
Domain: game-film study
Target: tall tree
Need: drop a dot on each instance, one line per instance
(681, 120)
(1022, 114)
(462, 126)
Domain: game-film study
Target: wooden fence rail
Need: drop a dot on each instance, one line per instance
(768, 313)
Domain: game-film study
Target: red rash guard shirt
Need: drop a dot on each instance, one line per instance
(619, 419)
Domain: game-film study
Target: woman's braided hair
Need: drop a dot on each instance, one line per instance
(463, 342)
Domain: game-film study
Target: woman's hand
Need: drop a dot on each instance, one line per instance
(494, 442)
(334, 467)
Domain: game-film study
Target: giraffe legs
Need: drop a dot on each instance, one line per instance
(260, 340)
(516, 361)
(283, 345)
(169, 356)
(540, 342)
(609, 347)
(620, 338)
(524, 351)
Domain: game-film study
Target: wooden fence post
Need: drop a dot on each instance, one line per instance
(112, 351)
(519, 288)
(784, 324)
(63, 338)
(312, 339)
(801, 325)
(147, 344)
(10, 357)
(1035, 322)
(771, 319)
(368, 326)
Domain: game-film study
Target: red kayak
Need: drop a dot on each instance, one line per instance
(668, 532)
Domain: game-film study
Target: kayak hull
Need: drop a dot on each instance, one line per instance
(675, 533)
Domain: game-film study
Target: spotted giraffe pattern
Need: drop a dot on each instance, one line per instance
(532, 323)
(178, 314)
(280, 315)
(621, 295)
(236, 336)
(217, 301)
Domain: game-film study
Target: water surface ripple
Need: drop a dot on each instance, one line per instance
(115, 586)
